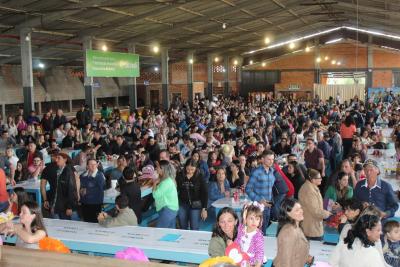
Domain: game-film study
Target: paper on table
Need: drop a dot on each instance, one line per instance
(170, 237)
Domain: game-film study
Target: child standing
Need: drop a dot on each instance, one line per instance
(391, 249)
(250, 237)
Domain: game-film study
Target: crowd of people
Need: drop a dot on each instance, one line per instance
(299, 163)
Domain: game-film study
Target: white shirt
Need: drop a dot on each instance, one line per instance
(246, 240)
(13, 161)
(358, 256)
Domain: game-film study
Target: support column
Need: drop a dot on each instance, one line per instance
(27, 75)
(370, 62)
(70, 105)
(88, 81)
(3, 111)
(210, 59)
(190, 62)
(132, 84)
(40, 108)
(317, 68)
(239, 76)
(164, 77)
(226, 76)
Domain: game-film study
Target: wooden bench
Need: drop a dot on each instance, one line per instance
(18, 257)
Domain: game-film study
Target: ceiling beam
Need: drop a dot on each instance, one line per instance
(300, 31)
(41, 19)
(188, 23)
(239, 23)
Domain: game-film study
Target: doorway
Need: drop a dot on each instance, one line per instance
(154, 98)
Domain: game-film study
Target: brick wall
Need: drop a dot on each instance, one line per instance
(382, 78)
(305, 79)
(350, 56)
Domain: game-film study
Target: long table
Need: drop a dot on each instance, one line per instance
(162, 244)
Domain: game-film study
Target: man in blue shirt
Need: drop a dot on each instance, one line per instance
(259, 187)
(376, 191)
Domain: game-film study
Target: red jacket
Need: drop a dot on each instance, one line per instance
(289, 184)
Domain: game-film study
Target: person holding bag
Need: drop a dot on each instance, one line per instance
(192, 195)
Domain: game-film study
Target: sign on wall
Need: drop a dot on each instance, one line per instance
(111, 64)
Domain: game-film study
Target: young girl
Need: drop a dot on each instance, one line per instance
(31, 229)
(391, 249)
(17, 199)
(250, 237)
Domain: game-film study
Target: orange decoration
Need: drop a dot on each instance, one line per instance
(50, 244)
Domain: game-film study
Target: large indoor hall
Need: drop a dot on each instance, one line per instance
(211, 133)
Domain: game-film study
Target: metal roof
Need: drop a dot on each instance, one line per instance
(182, 25)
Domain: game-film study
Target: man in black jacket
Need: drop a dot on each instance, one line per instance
(66, 194)
(59, 119)
(128, 186)
(84, 116)
(119, 146)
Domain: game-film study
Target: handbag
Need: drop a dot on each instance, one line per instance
(193, 204)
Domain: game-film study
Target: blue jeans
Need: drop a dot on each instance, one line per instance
(63, 216)
(266, 216)
(4, 206)
(186, 215)
(166, 218)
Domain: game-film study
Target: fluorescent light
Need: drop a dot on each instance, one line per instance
(41, 65)
(294, 40)
(388, 47)
(334, 41)
(373, 32)
(397, 37)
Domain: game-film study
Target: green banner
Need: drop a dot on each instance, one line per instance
(111, 64)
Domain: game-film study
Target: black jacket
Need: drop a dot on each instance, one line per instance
(134, 194)
(119, 150)
(66, 193)
(59, 120)
(83, 117)
(190, 190)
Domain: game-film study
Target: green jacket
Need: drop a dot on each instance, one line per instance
(216, 247)
(125, 217)
(331, 193)
(166, 195)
